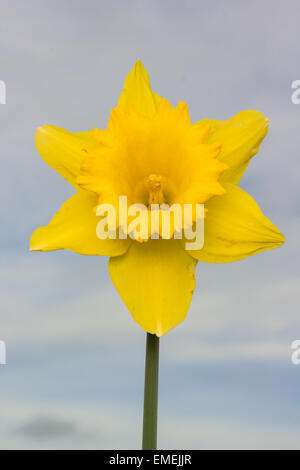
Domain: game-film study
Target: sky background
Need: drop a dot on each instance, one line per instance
(75, 357)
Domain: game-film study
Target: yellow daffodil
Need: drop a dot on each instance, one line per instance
(151, 153)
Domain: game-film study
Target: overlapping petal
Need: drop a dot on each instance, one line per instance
(138, 93)
(235, 228)
(240, 138)
(156, 282)
(64, 151)
(74, 228)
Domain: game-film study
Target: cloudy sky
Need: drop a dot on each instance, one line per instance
(75, 357)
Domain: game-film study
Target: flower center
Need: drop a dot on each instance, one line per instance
(153, 161)
(155, 193)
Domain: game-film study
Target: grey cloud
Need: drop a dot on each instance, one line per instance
(47, 428)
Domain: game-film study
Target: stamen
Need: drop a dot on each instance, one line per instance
(153, 184)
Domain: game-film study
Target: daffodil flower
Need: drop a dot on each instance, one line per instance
(152, 153)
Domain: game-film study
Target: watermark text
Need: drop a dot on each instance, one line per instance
(2, 352)
(140, 222)
(295, 357)
(2, 92)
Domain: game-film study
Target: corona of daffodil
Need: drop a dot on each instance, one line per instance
(152, 153)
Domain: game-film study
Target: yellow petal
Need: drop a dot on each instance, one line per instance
(63, 150)
(235, 228)
(156, 280)
(74, 228)
(240, 137)
(88, 137)
(137, 92)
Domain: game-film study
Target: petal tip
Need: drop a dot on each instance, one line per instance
(35, 246)
(281, 239)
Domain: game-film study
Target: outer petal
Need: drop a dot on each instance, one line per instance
(63, 150)
(74, 228)
(156, 280)
(138, 93)
(88, 137)
(236, 228)
(240, 137)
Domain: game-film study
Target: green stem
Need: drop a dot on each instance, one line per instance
(151, 393)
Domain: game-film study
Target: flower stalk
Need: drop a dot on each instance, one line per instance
(151, 393)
